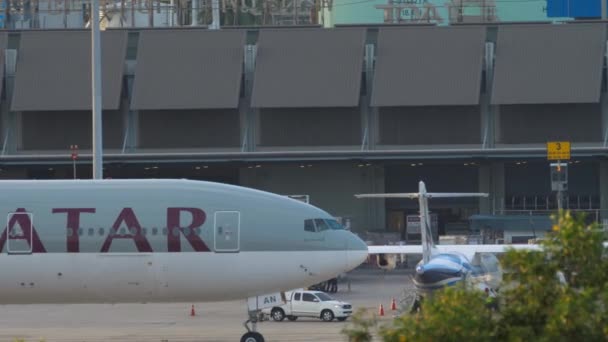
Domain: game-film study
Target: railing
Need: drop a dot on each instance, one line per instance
(156, 13)
(593, 215)
(549, 202)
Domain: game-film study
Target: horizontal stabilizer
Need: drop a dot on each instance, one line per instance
(456, 194)
(404, 195)
(428, 195)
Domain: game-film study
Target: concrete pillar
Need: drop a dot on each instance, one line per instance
(487, 112)
(370, 114)
(485, 185)
(247, 114)
(492, 181)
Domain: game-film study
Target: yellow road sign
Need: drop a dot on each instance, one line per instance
(558, 150)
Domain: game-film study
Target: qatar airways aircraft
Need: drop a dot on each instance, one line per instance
(111, 241)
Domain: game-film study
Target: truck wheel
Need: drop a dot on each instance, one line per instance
(342, 319)
(277, 314)
(327, 315)
(292, 318)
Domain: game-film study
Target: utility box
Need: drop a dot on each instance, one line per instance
(559, 176)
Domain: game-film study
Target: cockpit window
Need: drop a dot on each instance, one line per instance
(321, 225)
(334, 225)
(309, 226)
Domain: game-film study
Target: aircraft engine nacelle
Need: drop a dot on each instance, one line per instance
(387, 261)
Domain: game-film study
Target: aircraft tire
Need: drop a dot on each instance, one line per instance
(252, 336)
(277, 314)
(292, 318)
(327, 315)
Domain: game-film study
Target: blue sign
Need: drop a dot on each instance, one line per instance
(574, 8)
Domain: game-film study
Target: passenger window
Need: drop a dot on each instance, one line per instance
(297, 296)
(144, 231)
(101, 231)
(321, 225)
(80, 230)
(154, 231)
(186, 231)
(309, 226)
(91, 231)
(308, 297)
(70, 231)
(164, 231)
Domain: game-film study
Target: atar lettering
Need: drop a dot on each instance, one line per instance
(127, 216)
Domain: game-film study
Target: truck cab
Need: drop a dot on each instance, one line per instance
(317, 304)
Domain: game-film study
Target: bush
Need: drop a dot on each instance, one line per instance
(557, 294)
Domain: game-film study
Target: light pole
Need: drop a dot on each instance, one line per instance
(96, 91)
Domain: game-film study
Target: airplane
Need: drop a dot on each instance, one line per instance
(443, 265)
(163, 240)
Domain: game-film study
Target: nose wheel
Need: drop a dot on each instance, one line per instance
(252, 335)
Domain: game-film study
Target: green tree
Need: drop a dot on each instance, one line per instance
(557, 293)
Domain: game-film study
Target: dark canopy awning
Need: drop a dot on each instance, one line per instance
(54, 70)
(188, 69)
(549, 63)
(428, 66)
(308, 68)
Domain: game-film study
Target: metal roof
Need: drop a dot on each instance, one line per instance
(195, 69)
(308, 68)
(54, 70)
(549, 64)
(418, 66)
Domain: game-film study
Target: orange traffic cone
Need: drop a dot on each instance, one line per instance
(381, 310)
(192, 312)
(393, 305)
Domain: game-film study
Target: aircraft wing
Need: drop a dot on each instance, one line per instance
(464, 249)
(395, 249)
(468, 250)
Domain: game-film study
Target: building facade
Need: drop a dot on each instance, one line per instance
(326, 113)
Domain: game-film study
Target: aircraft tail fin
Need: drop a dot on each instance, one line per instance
(428, 246)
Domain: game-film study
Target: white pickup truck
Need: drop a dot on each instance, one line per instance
(301, 303)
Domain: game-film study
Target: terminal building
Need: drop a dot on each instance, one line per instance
(326, 113)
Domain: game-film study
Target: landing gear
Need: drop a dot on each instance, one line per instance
(417, 306)
(252, 335)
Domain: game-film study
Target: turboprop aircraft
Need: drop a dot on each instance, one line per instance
(120, 241)
(443, 265)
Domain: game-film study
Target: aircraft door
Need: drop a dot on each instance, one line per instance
(19, 230)
(226, 233)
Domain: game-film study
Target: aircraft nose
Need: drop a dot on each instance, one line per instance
(356, 251)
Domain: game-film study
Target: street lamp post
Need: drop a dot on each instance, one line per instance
(96, 91)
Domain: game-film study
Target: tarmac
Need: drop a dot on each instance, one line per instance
(218, 321)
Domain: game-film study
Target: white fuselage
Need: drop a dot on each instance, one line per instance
(159, 277)
(161, 241)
